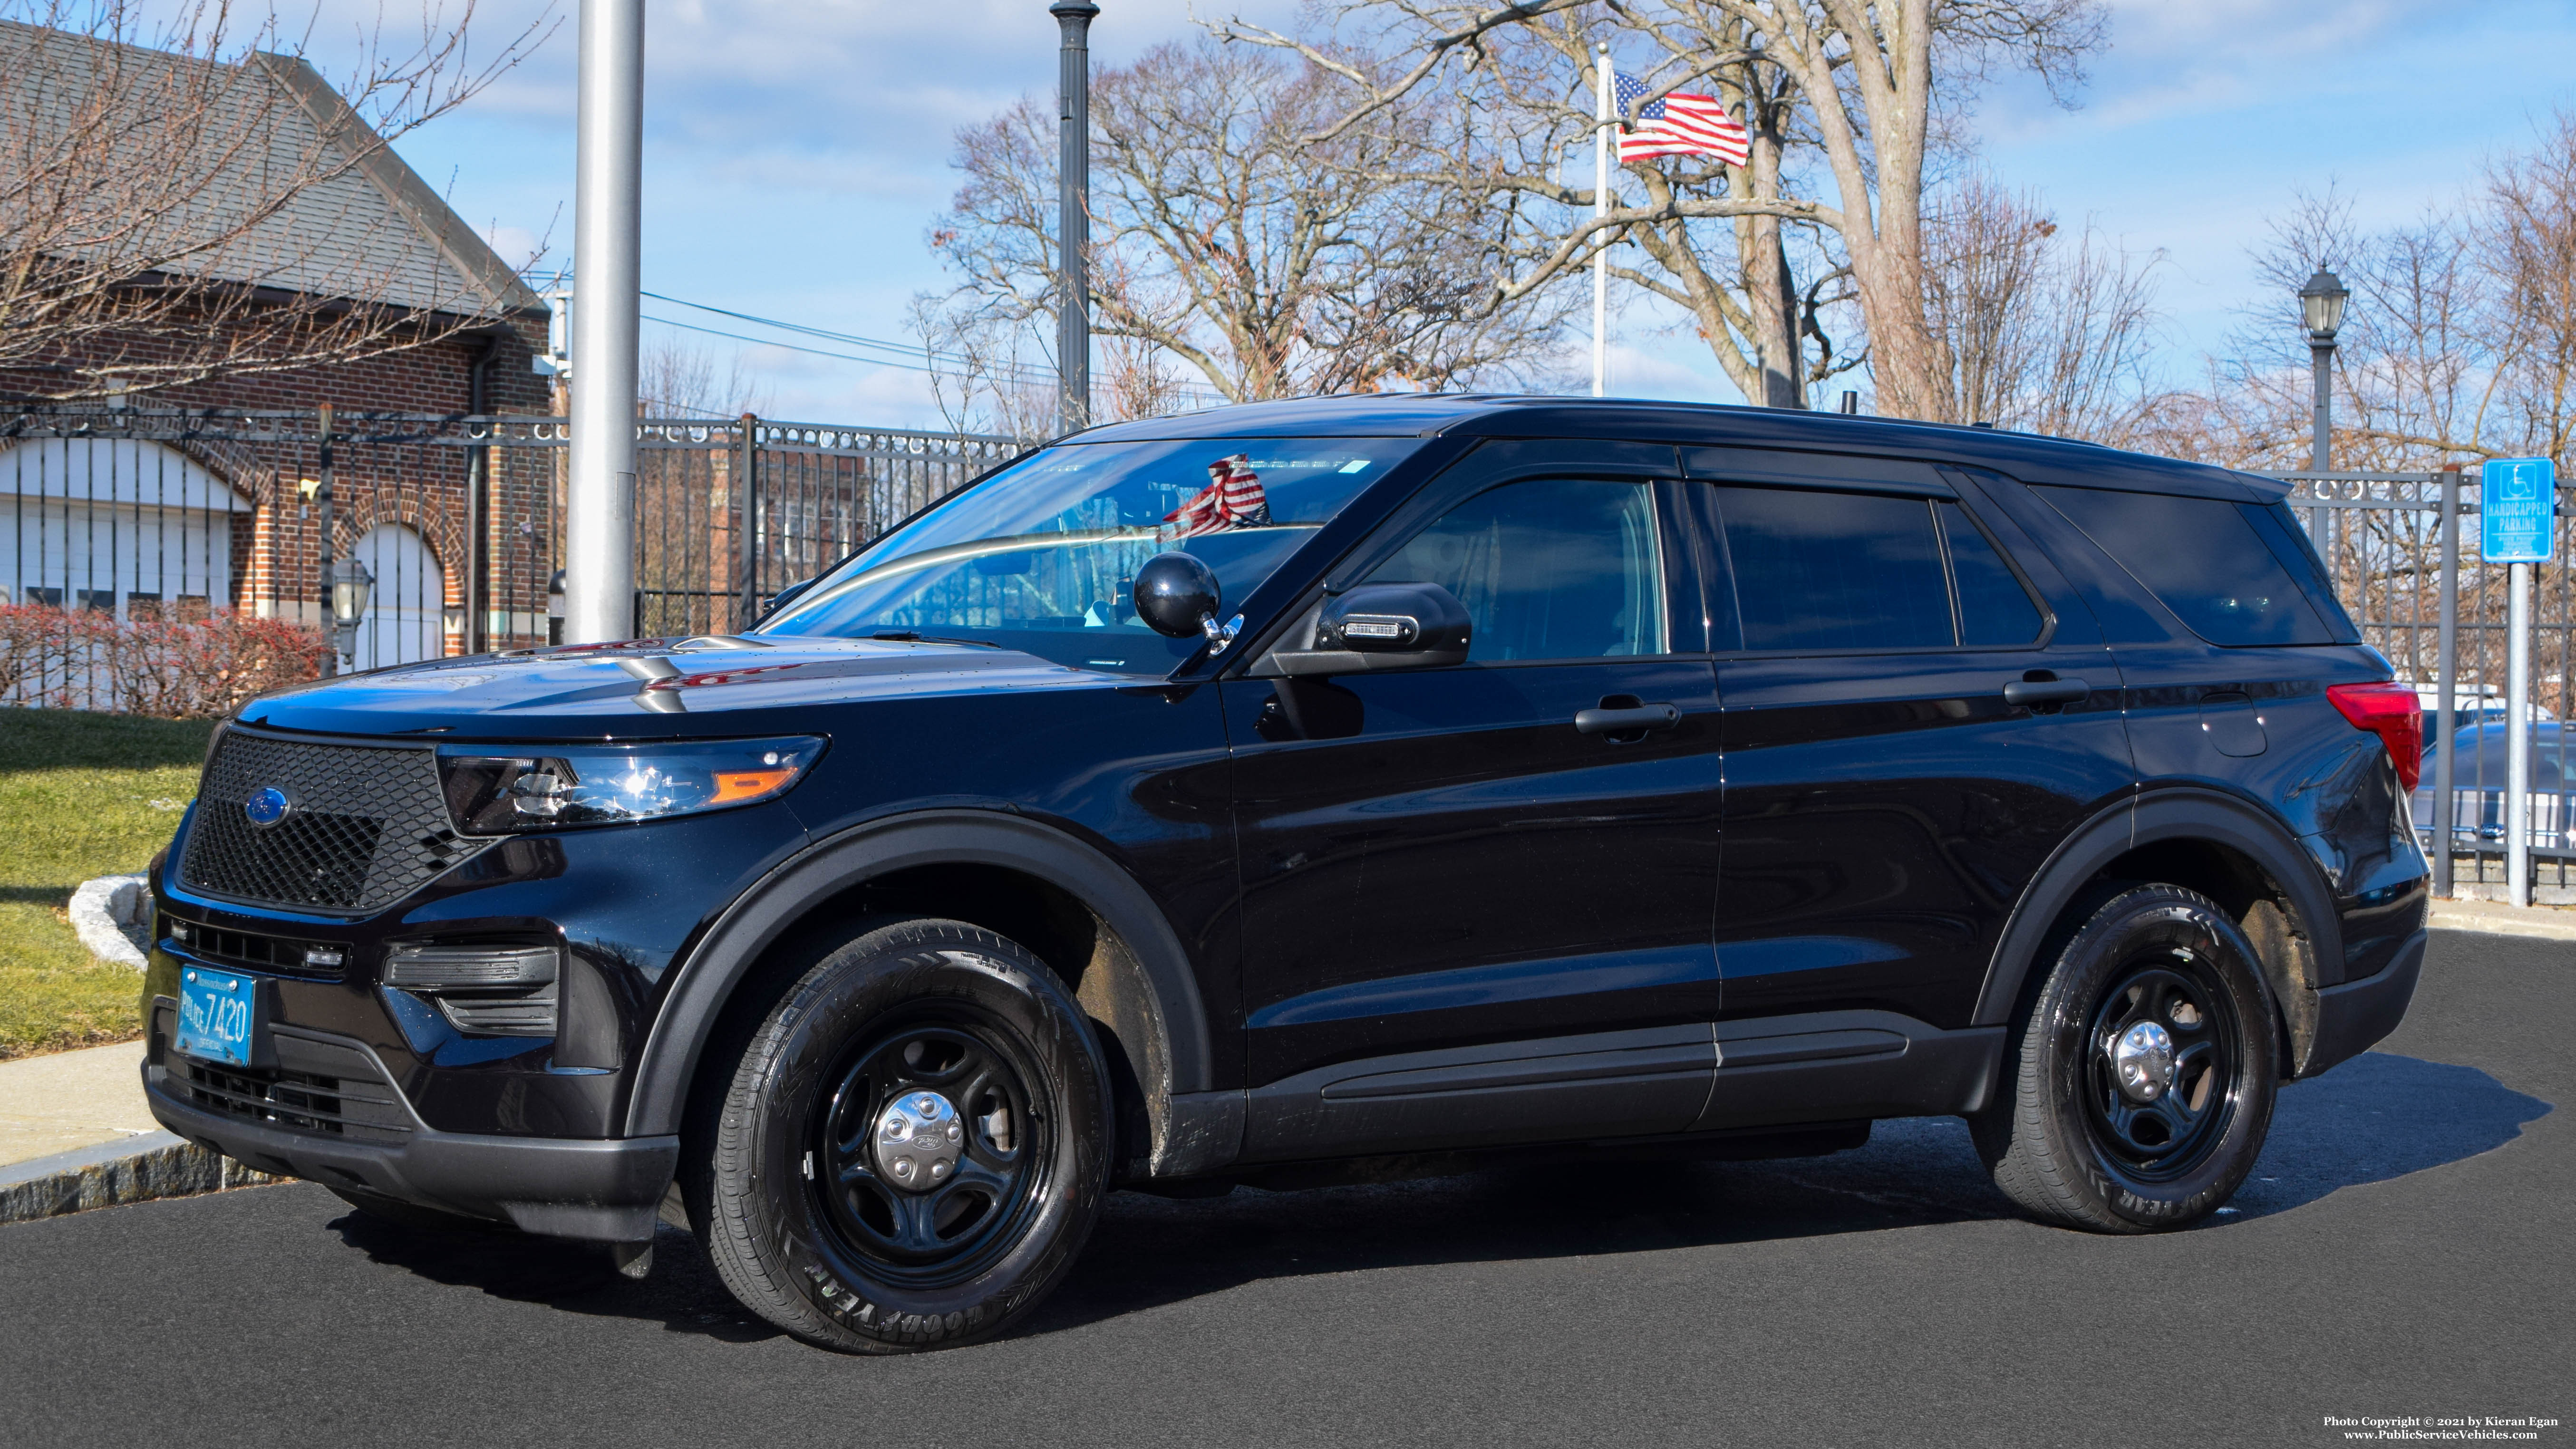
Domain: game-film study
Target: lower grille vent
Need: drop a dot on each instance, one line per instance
(320, 1085)
(260, 953)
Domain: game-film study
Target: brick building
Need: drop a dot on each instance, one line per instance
(156, 514)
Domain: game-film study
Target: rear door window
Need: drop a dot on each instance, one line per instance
(1815, 570)
(1995, 611)
(2207, 559)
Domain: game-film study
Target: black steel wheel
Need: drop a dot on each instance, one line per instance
(2140, 1084)
(967, 1181)
(912, 1148)
(2163, 1077)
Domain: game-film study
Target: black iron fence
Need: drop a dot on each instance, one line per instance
(145, 518)
(157, 519)
(2403, 549)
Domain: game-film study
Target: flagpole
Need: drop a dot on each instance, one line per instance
(1601, 208)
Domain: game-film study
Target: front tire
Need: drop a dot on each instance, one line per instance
(2141, 1086)
(913, 1147)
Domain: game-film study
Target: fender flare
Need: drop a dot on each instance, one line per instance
(758, 918)
(2179, 813)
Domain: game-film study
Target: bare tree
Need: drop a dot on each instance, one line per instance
(1230, 250)
(172, 197)
(1854, 87)
(2044, 332)
(681, 379)
(2459, 343)
(987, 374)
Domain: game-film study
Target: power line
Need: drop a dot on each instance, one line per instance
(1020, 373)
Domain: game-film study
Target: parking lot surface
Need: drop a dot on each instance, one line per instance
(2402, 1251)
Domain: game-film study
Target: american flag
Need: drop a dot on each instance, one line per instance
(1677, 125)
(1232, 499)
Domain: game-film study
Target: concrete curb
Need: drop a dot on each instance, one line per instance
(106, 914)
(2503, 920)
(137, 1169)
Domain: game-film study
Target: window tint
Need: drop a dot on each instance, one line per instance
(1555, 569)
(2297, 553)
(2203, 557)
(1995, 611)
(1816, 570)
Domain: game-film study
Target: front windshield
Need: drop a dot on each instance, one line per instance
(1040, 557)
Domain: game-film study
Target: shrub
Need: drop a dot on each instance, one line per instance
(198, 669)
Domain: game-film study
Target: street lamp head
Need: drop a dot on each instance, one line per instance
(2321, 305)
(352, 585)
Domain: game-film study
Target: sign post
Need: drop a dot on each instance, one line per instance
(2518, 525)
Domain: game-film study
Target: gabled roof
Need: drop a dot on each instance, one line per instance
(369, 230)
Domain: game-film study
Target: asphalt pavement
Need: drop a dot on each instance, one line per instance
(2403, 1251)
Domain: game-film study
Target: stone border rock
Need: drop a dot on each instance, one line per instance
(107, 914)
(137, 1169)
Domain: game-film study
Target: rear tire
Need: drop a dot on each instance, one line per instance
(2140, 1088)
(913, 1147)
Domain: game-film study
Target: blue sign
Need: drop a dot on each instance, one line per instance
(2518, 510)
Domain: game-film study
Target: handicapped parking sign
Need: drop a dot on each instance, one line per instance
(2518, 510)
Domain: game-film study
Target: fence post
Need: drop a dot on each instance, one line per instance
(747, 485)
(323, 559)
(2447, 649)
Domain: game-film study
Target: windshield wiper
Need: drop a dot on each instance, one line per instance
(915, 636)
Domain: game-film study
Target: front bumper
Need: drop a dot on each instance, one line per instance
(609, 1191)
(2353, 1017)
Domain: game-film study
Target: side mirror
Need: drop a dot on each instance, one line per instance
(1176, 595)
(787, 595)
(1383, 626)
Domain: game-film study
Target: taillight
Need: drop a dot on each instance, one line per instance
(2392, 712)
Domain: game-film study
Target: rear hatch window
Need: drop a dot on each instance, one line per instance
(2235, 573)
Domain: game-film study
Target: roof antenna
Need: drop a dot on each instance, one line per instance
(1851, 404)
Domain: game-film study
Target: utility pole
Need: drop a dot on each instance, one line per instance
(1073, 212)
(1600, 209)
(599, 516)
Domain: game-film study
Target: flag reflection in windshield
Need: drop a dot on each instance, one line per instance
(1040, 557)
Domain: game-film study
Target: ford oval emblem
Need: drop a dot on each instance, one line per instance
(267, 807)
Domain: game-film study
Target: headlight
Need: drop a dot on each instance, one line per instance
(494, 791)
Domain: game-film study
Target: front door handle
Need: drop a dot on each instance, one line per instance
(2046, 691)
(1635, 719)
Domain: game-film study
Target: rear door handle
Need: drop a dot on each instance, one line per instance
(2046, 691)
(1623, 721)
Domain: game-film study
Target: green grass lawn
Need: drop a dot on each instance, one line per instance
(81, 795)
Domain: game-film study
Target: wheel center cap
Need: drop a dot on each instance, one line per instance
(918, 1141)
(2142, 1058)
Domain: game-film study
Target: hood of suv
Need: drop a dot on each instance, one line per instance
(649, 688)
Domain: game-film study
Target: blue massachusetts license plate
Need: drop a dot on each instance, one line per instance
(218, 1011)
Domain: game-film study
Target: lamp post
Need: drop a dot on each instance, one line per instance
(1073, 211)
(599, 501)
(2321, 304)
(352, 585)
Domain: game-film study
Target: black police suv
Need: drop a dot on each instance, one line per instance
(1343, 787)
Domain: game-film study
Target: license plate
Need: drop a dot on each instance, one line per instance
(217, 1013)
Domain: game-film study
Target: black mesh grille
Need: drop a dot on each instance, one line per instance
(367, 828)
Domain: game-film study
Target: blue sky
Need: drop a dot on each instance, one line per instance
(797, 149)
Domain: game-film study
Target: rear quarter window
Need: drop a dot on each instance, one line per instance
(2216, 564)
